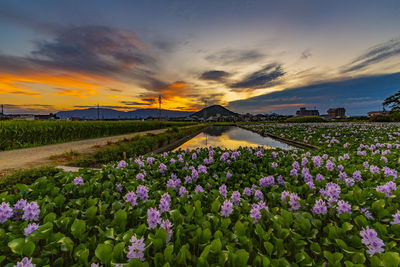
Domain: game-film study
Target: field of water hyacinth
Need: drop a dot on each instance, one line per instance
(334, 206)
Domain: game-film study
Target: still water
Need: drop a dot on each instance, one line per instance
(231, 137)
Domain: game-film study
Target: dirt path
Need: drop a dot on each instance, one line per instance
(39, 156)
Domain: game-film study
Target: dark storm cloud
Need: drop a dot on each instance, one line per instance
(374, 55)
(96, 49)
(230, 56)
(214, 75)
(266, 77)
(326, 95)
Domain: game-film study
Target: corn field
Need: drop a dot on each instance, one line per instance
(21, 134)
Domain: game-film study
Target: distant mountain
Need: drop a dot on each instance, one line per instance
(106, 113)
(214, 111)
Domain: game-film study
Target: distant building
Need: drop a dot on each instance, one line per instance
(307, 112)
(336, 113)
(376, 113)
(51, 116)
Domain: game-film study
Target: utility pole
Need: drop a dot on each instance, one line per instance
(159, 107)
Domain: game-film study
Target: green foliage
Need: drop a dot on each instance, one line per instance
(305, 119)
(19, 134)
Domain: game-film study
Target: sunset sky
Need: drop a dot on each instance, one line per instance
(250, 56)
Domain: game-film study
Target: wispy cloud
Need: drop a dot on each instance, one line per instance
(267, 76)
(214, 75)
(232, 56)
(374, 55)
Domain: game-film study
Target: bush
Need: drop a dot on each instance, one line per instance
(305, 119)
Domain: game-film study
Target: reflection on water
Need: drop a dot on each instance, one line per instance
(231, 137)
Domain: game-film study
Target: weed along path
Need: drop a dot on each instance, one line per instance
(40, 156)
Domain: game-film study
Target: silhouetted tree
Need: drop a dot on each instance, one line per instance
(393, 102)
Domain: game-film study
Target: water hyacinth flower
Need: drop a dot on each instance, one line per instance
(247, 191)
(258, 195)
(280, 180)
(198, 189)
(202, 169)
(25, 263)
(20, 205)
(274, 165)
(343, 207)
(153, 218)
(136, 249)
(226, 208)
(119, 188)
(30, 228)
(255, 213)
(374, 169)
(396, 218)
(284, 196)
(150, 160)
(319, 177)
(367, 213)
(235, 198)
(267, 181)
(294, 201)
(319, 207)
(131, 198)
(139, 162)
(372, 241)
(222, 190)
(121, 164)
(142, 192)
(228, 175)
(167, 225)
(31, 212)
(182, 191)
(162, 168)
(387, 188)
(6, 212)
(332, 191)
(78, 180)
(140, 176)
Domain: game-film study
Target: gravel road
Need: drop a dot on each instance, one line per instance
(39, 156)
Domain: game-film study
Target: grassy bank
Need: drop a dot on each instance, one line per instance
(22, 134)
(138, 145)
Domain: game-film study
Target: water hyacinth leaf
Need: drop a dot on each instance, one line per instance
(120, 221)
(28, 249)
(333, 258)
(168, 253)
(118, 252)
(51, 217)
(315, 248)
(91, 212)
(17, 245)
(358, 258)
(205, 236)
(216, 245)
(78, 228)
(104, 253)
(215, 206)
(240, 228)
(391, 259)
(66, 244)
(241, 258)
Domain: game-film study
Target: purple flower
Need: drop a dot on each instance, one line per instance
(267, 181)
(332, 191)
(274, 165)
(163, 168)
(182, 191)
(255, 213)
(226, 208)
(294, 201)
(30, 228)
(228, 175)
(258, 195)
(357, 175)
(396, 217)
(367, 213)
(119, 188)
(319, 207)
(142, 192)
(25, 263)
(284, 196)
(131, 198)
(150, 160)
(194, 155)
(280, 180)
(121, 164)
(294, 172)
(198, 189)
(387, 188)
(247, 191)
(222, 190)
(137, 248)
(235, 198)
(20, 205)
(31, 212)
(374, 169)
(78, 180)
(6, 212)
(167, 225)
(140, 176)
(343, 207)
(153, 218)
(372, 241)
(202, 169)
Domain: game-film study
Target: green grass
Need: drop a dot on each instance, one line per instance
(21, 134)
